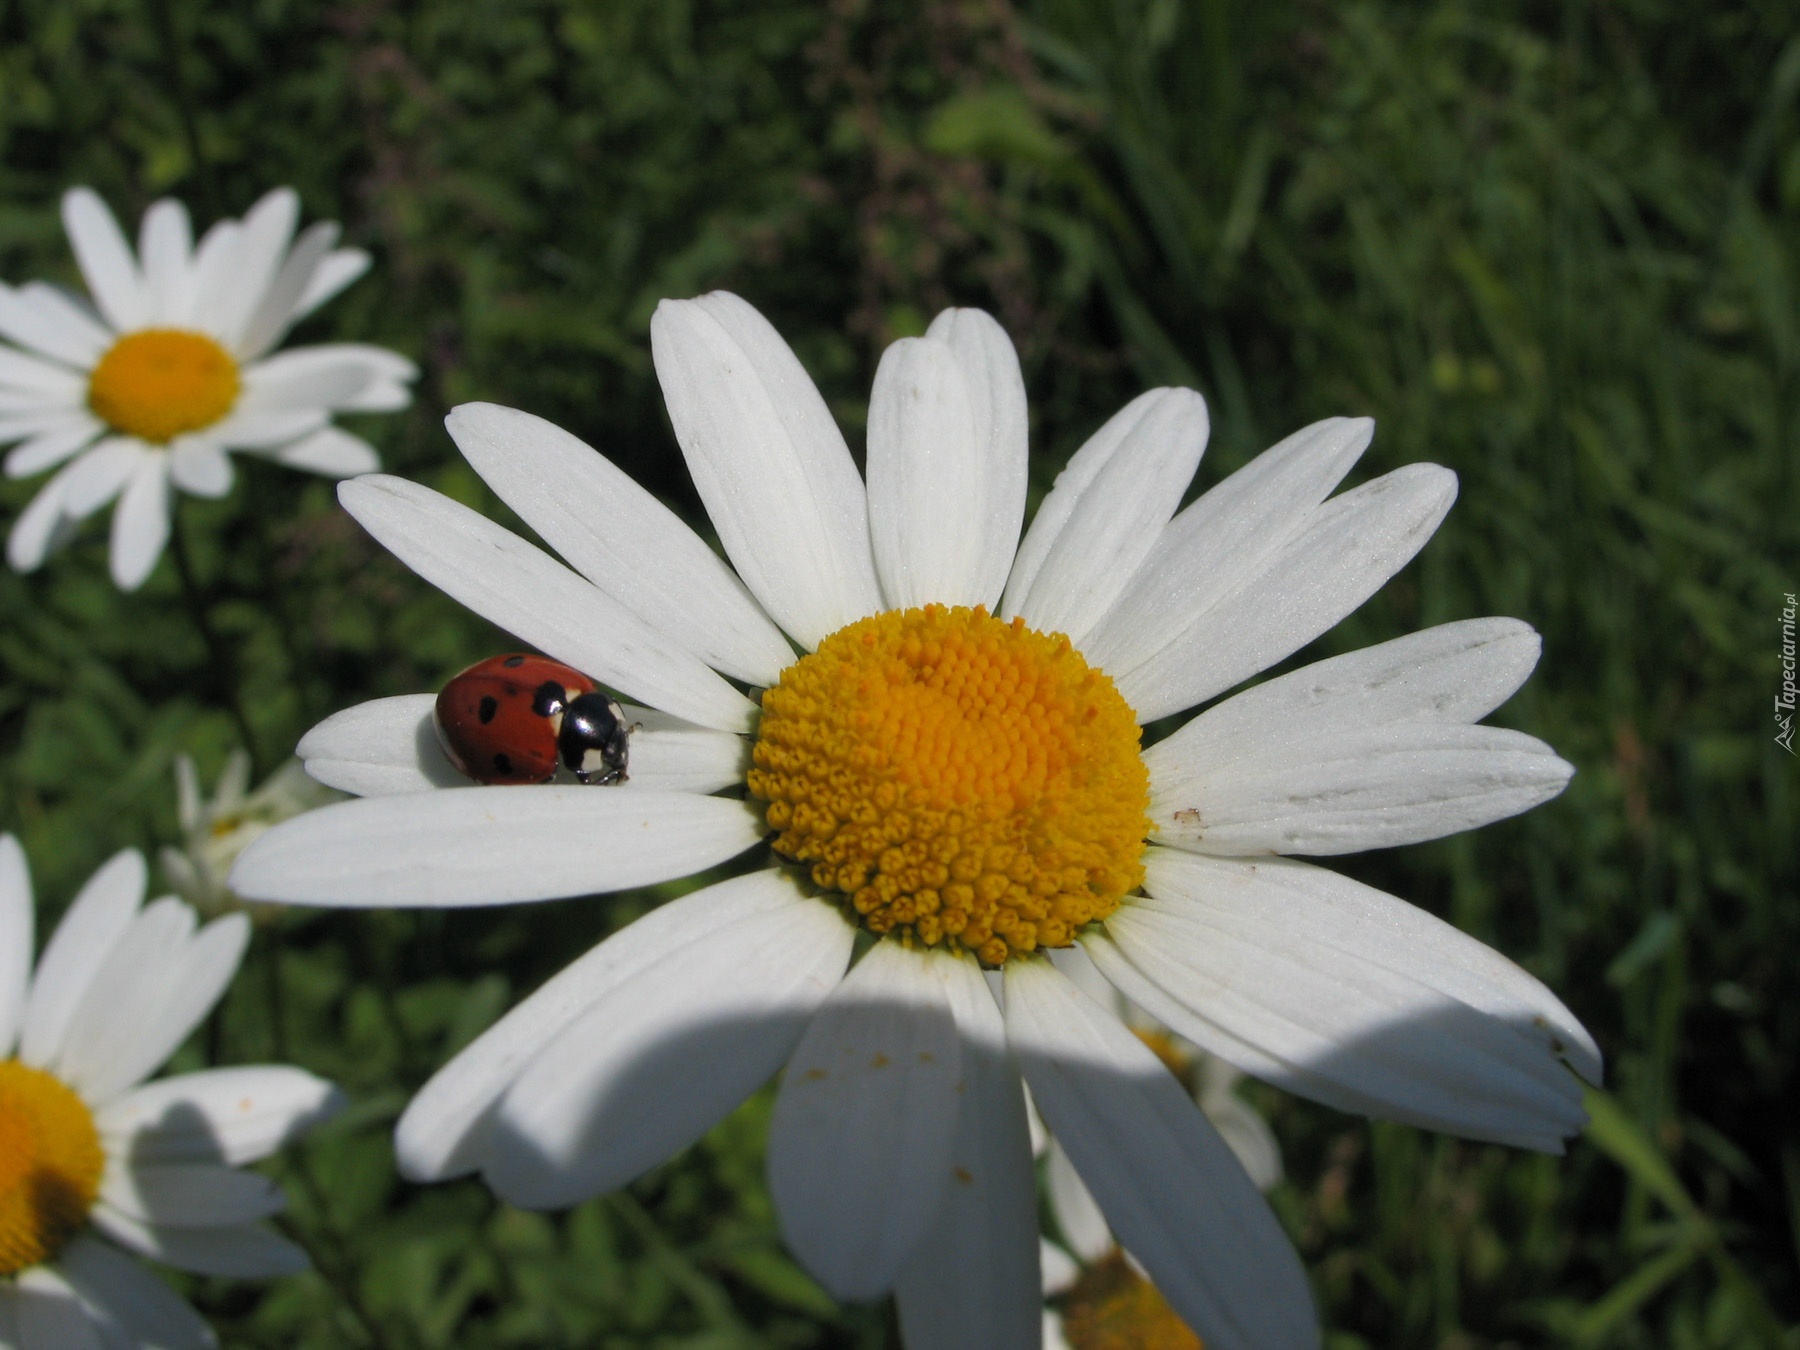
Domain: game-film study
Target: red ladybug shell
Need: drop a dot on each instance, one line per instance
(498, 721)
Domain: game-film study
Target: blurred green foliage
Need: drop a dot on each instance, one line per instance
(1551, 246)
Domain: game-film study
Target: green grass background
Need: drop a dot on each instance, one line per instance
(1553, 246)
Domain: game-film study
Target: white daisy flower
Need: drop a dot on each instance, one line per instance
(214, 832)
(960, 786)
(92, 1158)
(148, 390)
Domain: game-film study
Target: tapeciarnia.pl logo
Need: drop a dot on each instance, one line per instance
(1784, 701)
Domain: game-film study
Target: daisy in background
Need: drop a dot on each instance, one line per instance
(146, 391)
(952, 774)
(1102, 1300)
(92, 1158)
(214, 832)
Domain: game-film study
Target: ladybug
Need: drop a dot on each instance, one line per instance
(509, 719)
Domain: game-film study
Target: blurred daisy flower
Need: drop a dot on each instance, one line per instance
(1102, 1299)
(214, 832)
(148, 391)
(953, 768)
(92, 1158)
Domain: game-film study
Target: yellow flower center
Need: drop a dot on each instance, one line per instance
(957, 779)
(159, 382)
(1112, 1307)
(50, 1164)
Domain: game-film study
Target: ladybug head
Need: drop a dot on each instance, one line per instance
(594, 741)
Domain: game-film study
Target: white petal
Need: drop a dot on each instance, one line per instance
(49, 448)
(96, 919)
(521, 588)
(190, 1195)
(380, 748)
(389, 746)
(1060, 1269)
(1454, 673)
(42, 526)
(214, 274)
(1155, 446)
(689, 1022)
(339, 269)
(974, 1283)
(140, 525)
(261, 248)
(996, 388)
(19, 371)
(306, 378)
(1341, 556)
(76, 325)
(769, 463)
(199, 465)
(188, 800)
(130, 985)
(227, 1116)
(1335, 991)
(48, 1314)
(445, 1130)
(1361, 788)
(1212, 546)
(1238, 1123)
(861, 1139)
(329, 375)
(244, 1251)
(15, 941)
(165, 246)
(17, 425)
(46, 321)
(101, 474)
(669, 754)
(149, 1314)
(28, 412)
(265, 429)
(1058, 506)
(1078, 1218)
(329, 451)
(1170, 1187)
(105, 260)
(146, 1031)
(491, 846)
(622, 539)
(276, 311)
(942, 508)
(379, 395)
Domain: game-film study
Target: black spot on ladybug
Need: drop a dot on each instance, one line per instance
(489, 706)
(502, 764)
(549, 699)
(513, 661)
